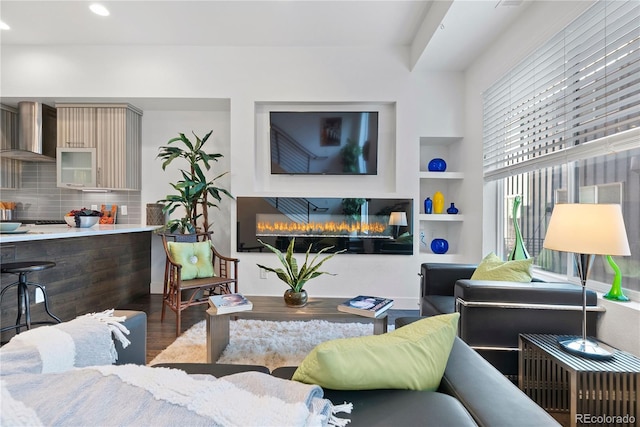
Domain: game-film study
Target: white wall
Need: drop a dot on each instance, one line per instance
(425, 105)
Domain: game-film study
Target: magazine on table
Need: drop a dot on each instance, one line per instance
(367, 306)
(229, 303)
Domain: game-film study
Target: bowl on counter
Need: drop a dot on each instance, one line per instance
(85, 221)
(9, 226)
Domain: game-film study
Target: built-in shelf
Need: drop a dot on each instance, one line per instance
(444, 258)
(442, 175)
(443, 226)
(441, 217)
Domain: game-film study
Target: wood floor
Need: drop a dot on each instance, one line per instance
(161, 334)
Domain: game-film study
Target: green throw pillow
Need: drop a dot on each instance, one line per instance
(493, 268)
(412, 357)
(195, 259)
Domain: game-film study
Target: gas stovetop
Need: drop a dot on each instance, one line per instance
(42, 221)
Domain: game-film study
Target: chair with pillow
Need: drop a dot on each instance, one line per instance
(499, 300)
(193, 271)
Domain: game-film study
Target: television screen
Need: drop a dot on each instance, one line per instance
(324, 142)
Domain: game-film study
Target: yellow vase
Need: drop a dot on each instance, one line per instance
(438, 203)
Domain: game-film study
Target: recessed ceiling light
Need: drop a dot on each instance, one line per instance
(4, 26)
(99, 9)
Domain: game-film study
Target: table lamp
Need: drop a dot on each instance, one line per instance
(397, 219)
(586, 230)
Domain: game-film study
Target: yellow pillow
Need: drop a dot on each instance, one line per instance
(412, 357)
(195, 259)
(493, 268)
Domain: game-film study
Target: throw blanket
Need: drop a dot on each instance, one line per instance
(84, 341)
(146, 396)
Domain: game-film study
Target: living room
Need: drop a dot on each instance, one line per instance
(223, 88)
(229, 86)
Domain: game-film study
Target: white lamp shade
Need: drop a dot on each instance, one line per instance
(582, 228)
(398, 218)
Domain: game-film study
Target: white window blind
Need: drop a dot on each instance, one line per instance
(578, 95)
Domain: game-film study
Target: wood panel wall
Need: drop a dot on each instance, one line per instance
(91, 274)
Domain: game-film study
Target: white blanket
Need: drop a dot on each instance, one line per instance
(84, 341)
(63, 375)
(132, 395)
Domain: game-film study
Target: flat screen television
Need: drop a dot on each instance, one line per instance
(324, 142)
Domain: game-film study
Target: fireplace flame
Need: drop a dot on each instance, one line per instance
(321, 228)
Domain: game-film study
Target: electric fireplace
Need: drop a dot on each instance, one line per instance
(358, 225)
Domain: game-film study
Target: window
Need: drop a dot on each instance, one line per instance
(564, 126)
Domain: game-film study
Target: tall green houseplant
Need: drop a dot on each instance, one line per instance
(195, 192)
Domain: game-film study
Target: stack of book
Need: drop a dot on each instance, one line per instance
(367, 306)
(229, 303)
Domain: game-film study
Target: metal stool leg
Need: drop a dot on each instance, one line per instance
(16, 284)
(46, 301)
(23, 303)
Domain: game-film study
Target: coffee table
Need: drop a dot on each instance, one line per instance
(274, 308)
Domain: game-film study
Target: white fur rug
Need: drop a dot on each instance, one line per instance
(261, 342)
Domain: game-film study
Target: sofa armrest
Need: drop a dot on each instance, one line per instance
(490, 398)
(493, 314)
(136, 352)
(534, 292)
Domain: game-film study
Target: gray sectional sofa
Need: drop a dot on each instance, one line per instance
(472, 392)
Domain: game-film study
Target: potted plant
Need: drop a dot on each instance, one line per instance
(294, 277)
(195, 192)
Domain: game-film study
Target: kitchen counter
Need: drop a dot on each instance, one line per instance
(97, 268)
(46, 232)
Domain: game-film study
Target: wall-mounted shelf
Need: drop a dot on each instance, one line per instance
(441, 217)
(441, 175)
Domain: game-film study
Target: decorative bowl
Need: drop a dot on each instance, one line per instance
(9, 226)
(88, 221)
(437, 165)
(85, 221)
(439, 246)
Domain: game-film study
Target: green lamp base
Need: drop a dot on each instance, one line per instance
(615, 293)
(615, 296)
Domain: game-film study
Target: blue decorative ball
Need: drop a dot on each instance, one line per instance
(439, 246)
(437, 165)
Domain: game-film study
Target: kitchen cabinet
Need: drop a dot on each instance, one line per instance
(441, 226)
(113, 132)
(9, 168)
(76, 167)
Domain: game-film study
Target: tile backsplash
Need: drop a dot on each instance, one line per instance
(39, 198)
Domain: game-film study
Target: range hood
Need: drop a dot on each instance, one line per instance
(37, 129)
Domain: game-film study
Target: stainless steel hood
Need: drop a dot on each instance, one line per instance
(37, 130)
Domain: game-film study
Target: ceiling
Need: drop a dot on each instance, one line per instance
(440, 34)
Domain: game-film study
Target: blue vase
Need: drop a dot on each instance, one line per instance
(452, 210)
(439, 246)
(428, 205)
(437, 165)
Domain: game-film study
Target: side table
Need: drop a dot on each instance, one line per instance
(588, 391)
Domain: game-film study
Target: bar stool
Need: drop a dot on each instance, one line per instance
(24, 305)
